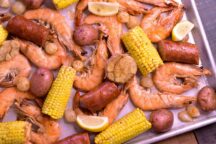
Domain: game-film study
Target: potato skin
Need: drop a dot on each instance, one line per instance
(41, 82)
(206, 98)
(162, 120)
(85, 35)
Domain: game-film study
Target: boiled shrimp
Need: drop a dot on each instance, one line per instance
(112, 28)
(160, 3)
(48, 130)
(93, 76)
(18, 66)
(9, 96)
(153, 101)
(58, 22)
(114, 108)
(133, 7)
(159, 22)
(177, 78)
(39, 57)
(79, 13)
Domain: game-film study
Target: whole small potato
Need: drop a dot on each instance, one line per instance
(41, 82)
(86, 35)
(207, 98)
(162, 120)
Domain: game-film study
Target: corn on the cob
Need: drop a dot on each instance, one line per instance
(17, 132)
(3, 34)
(142, 50)
(60, 4)
(124, 129)
(59, 94)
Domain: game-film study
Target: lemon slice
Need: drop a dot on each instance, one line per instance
(181, 30)
(103, 8)
(92, 123)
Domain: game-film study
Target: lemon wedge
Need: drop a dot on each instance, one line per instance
(92, 123)
(181, 30)
(103, 8)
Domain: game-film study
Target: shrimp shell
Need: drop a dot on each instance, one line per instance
(94, 76)
(8, 97)
(60, 25)
(10, 70)
(166, 77)
(49, 129)
(153, 101)
(39, 57)
(114, 29)
(159, 26)
(114, 108)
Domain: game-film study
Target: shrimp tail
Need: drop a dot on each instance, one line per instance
(114, 108)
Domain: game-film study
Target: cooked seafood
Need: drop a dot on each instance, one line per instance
(153, 101)
(8, 97)
(177, 78)
(112, 28)
(58, 23)
(159, 22)
(133, 7)
(79, 13)
(39, 57)
(48, 130)
(93, 76)
(114, 108)
(11, 69)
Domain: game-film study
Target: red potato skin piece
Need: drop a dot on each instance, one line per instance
(27, 30)
(33, 4)
(178, 52)
(82, 138)
(98, 98)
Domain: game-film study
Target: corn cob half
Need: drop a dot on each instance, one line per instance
(58, 96)
(17, 132)
(60, 4)
(142, 50)
(3, 34)
(126, 128)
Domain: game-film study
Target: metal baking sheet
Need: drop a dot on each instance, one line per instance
(198, 36)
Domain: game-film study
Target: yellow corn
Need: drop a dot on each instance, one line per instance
(142, 50)
(58, 96)
(124, 129)
(3, 34)
(60, 4)
(17, 132)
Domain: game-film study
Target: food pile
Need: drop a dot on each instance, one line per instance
(103, 64)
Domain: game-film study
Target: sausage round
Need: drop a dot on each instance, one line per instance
(27, 30)
(82, 138)
(98, 98)
(178, 52)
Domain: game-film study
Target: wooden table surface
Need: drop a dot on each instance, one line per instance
(205, 135)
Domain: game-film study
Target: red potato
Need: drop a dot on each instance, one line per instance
(206, 98)
(162, 120)
(86, 35)
(98, 98)
(41, 82)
